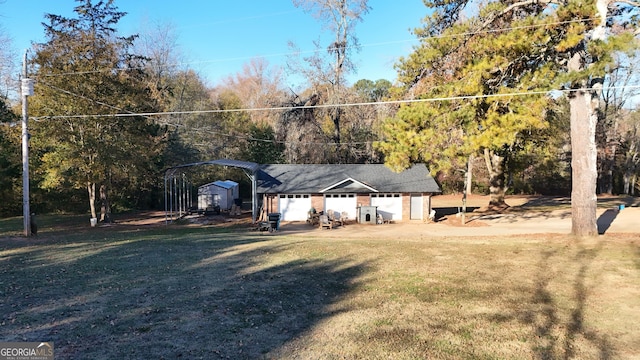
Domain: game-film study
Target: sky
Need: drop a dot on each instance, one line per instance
(216, 37)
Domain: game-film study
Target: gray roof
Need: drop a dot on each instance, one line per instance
(345, 178)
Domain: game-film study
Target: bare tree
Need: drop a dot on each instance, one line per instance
(616, 97)
(326, 71)
(159, 44)
(630, 129)
(7, 65)
(258, 86)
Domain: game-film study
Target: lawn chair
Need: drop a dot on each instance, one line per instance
(325, 222)
(312, 217)
(344, 216)
(382, 220)
(337, 220)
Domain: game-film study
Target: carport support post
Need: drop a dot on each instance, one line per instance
(253, 176)
(254, 197)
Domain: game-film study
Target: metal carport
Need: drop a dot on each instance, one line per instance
(171, 174)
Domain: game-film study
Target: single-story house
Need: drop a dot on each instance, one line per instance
(293, 190)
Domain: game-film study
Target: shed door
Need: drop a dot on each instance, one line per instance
(294, 207)
(416, 207)
(389, 205)
(340, 203)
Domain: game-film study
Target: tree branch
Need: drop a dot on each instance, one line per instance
(517, 5)
(628, 2)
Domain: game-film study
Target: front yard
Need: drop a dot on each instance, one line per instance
(204, 292)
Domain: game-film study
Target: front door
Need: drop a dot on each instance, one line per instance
(416, 207)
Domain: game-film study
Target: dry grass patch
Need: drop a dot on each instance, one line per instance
(179, 292)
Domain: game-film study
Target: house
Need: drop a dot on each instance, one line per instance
(293, 190)
(220, 193)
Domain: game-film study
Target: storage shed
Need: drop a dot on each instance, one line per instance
(225, 191)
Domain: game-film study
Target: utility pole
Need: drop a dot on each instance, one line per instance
(27, 90)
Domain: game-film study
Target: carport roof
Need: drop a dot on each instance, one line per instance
(316, 178)
(250, 166)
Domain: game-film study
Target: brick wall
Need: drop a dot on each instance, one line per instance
(317, 202)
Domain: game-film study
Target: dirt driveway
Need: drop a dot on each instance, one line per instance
(528, 215)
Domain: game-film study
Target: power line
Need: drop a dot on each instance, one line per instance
(324, 106)
(281, 108)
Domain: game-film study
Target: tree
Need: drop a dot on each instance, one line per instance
(630, 143)
(85, 73)
(478, 76)
(372, 91)
(258, 86)
(327, 75)
(588, 58)
(263, 147)
(10, 168)
(616, 97)
(550, 44)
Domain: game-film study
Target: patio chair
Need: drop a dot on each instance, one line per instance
(325, 222)
(312, 218)
(344, 216)
(338, 220)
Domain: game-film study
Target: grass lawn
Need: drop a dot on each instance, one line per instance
(206, 293)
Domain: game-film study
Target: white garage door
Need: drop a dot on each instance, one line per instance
(340, 203)
(294, 207)
(389, 205)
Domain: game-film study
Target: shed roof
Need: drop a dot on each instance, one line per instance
(318, 178)
(225, 184)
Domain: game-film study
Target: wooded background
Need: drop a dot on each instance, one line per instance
(497, 93)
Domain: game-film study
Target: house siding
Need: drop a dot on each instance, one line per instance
(271, 203)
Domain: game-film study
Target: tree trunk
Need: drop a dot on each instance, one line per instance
(626, 180)
(497, 188)
(91, 187)
(336, 135)
(584, 174)
(469, 175)
(105, 208)
(584, 153)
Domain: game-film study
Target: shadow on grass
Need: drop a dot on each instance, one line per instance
(165, 293)
(556, 338)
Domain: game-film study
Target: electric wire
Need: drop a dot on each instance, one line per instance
(324, 106)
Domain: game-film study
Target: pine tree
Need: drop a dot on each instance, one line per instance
(494, 69)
